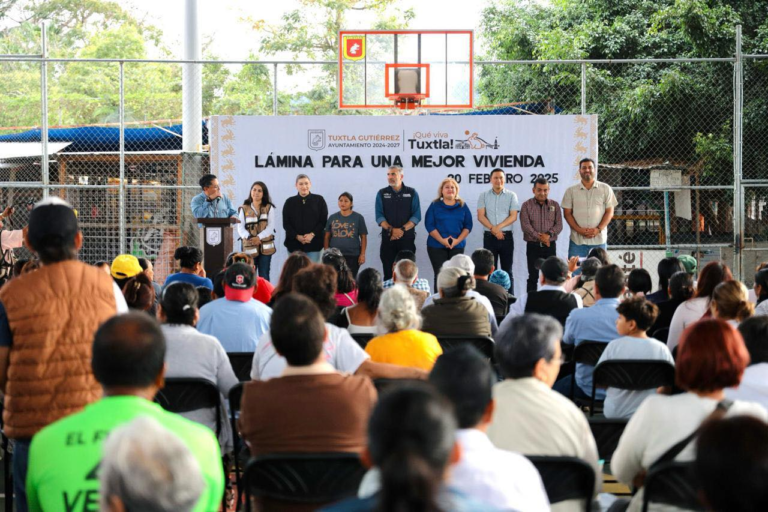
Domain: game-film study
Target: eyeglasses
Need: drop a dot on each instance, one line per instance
(214, 187)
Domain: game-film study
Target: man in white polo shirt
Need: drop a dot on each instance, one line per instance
(497, 211)
(588, 208)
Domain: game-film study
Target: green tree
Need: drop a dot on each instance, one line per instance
(311, 32)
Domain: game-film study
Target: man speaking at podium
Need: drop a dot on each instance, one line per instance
(210, 203)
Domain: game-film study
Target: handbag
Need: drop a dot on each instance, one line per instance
(720, 410)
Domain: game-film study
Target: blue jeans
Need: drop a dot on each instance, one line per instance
(581, 250)
(563, 386)
(262, 264)
(20, 463)
(314, 256)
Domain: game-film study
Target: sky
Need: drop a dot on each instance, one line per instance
(233, 39)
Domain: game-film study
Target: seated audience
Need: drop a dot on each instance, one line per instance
(128, 361)
(147, 467)
(711, 357)
(689, 263)
(293, 263)
(550, 299)
(403, 343)
(361, 318)
(484, 267)
(529, 417)
(191, 268)
(754, 383)
(346, 288)
(310, 407)
(204, 296)
(597, 323)
(694, 309)
(585, 288)
(730, 302)
(466, 379)
(761, 292)
(680, 290)
(666, 269)
(639, 283)
(573, 266)
(636, 316)
(419, 284)
(318, 283)
(264, 289)
(455, 313)
(124, 267)
(139, 294)
(406, 273)
(238, 321)
(464, 262)
(192, 354)
(412, 440)
(731, 465)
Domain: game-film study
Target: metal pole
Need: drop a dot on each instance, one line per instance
(583, 88)
(192, 86)
(738, 209)
(121, 186)
(44, 104)
(274, 90)
(667, 222)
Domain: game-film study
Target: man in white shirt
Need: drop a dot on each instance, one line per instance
(754, 383)
(501, 478)
(530, 417)
(465, 263)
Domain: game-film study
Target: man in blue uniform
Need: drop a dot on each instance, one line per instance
(397, 212)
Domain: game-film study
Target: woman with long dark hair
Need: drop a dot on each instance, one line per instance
(693, 310)
(361, 318)
(257, 227)
(761, 292)
(295, 262)
(346, 287)
(412, 441)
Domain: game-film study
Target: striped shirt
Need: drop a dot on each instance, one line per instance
(538, 218)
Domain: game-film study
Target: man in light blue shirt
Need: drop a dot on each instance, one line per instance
(596, 323)
(237, 320)
(210, 203)
(497, 210)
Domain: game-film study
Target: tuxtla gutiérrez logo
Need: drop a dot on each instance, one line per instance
(316, 139)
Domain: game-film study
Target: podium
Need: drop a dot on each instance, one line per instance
(217, 238)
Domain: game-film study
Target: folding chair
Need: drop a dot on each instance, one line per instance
(235, 397)
(566, 478)
(313, 479)
(484, 344)
(241, 364)
(632, 375)
(362, 339)
(586, 352)
(661, 334)
(607, 432)
(672, 483)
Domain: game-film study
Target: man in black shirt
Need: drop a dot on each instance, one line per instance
(483, 260)
(304, 218)
(397, 212)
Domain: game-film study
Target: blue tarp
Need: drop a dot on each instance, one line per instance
(103, 140)
(524, 109)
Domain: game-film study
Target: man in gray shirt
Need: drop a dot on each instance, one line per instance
(497, 211)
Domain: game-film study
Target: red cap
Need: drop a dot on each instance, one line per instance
(243, 295)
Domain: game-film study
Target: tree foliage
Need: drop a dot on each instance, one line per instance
(664, 111)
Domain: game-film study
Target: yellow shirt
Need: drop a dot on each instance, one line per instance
(412, 348)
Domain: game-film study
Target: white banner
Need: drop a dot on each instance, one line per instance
(352, 154)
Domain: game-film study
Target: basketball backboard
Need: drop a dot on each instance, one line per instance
(378, 67)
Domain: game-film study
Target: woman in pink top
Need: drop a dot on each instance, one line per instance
(346, 288)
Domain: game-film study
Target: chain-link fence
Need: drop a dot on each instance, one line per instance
(666, 143)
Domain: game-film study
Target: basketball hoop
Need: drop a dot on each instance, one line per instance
(407, 101)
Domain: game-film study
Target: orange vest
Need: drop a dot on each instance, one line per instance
(53, 315)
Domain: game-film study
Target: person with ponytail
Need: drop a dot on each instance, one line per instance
(403, 344)
(455, 313)
(192, 271)
(412, 442)
(139, 294)
(192, 354)
(730, 302)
